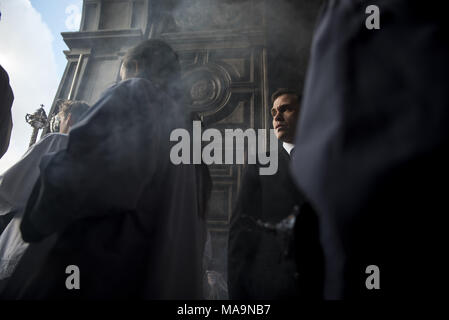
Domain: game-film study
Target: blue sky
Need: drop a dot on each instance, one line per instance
(31, 51)
(54, 14)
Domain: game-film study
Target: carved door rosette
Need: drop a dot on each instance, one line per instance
(208, 88)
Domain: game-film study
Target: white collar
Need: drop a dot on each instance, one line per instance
(288, 146)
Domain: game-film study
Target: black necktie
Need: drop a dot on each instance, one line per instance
(292, 153)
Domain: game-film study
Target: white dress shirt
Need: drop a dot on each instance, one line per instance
(288, 147)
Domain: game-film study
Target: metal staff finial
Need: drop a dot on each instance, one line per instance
(37, 120)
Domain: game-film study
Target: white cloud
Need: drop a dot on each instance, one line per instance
(26, 54)
(74, 19)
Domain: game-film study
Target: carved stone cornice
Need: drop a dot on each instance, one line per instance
(102, 38)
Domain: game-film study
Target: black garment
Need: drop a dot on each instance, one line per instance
(5, 219)
(120, 210)
(258, 267)
(374, 136)
(6, 99)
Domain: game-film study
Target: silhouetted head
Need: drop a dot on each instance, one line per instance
(285, 111)
(153, 60)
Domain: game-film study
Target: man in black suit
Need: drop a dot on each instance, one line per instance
(259, 266)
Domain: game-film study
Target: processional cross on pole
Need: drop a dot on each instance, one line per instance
(37, 120)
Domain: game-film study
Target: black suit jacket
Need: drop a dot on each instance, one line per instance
(258, 267)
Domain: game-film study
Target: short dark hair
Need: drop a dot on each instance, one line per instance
(158, 61)
(281, 91)
(75, 108)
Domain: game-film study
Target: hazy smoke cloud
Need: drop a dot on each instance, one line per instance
(72, 22)
(30, 63)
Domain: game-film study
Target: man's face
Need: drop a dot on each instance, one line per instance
(285, 115)
(130, 72)
(64, 122)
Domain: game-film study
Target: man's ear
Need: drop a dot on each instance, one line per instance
(136, 68)
(132, 69)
